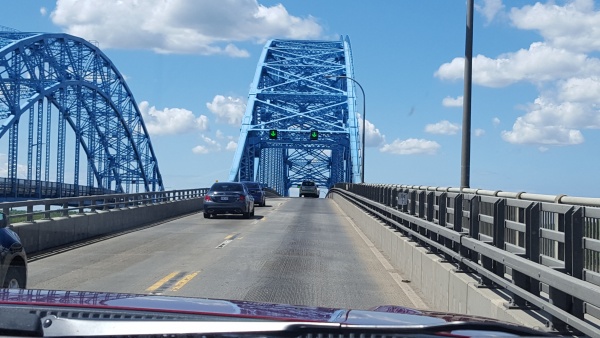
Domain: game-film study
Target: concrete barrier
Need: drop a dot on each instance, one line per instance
(46, 234)
(445, 289)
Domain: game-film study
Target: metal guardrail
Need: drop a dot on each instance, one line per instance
(45, 208)
(543, 250)
(20, 189)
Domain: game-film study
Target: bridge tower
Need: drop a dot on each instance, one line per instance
(301, 120)
(69, 101)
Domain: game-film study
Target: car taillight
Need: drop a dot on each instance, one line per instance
(242, 198)
(206, 198)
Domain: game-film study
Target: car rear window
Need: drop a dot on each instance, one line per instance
(309, 184)
(227, 187)
(252, 185)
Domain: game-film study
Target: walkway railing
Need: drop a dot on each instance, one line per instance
(543, 250)
(21, 189)
(48, 208)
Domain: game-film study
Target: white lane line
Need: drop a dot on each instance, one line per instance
(228, 239)
(225, 242)
(412, 295)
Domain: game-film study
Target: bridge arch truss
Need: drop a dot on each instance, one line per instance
(70, 101)
(298, 89)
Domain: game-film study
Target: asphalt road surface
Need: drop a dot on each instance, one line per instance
(301, 251)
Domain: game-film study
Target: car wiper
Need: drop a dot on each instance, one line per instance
(53, 326)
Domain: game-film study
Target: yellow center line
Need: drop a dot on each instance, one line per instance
(162, 281)
(232, 236)
(184, 281)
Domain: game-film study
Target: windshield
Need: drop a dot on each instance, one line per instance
(232, 154)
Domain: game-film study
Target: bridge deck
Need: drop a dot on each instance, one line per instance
(296, 250)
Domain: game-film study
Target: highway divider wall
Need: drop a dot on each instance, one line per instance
(444, 288)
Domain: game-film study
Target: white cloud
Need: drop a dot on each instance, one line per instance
(228, 109)
(43, 11)
(528, 133)
(573, 26)
(540, 63)
(211, 143)
(201, 150)
(171, 121)
(537, 127)
(443, 128)
(373, 137)
(479, 132)
(210, 146)
(490, 9)
(174, 26)
(584, 90)
(553, 123)
(410, 147)
(496, 121)
(452, 102)
(231, 146)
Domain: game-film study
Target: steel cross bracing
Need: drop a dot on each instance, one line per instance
(296, 90)
(74, 102)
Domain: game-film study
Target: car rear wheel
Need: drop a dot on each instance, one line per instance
(206, 215)
(15, 278)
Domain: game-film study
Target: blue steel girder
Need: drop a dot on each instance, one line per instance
(80, 87)
(297, 89)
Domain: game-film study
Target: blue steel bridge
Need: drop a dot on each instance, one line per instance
(300, 121)
(67, 112)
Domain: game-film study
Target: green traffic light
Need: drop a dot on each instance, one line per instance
(273, 134)
(314, 135)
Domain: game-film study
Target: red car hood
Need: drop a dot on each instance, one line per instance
(382, 315)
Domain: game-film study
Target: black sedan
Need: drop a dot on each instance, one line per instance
(13, 260)
(228, 198)
(257, 192)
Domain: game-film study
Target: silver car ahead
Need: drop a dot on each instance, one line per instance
(228, 198)
(309, 188)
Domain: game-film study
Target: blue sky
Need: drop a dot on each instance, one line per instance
(535, 117)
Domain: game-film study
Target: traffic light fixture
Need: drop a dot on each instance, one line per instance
(314, 135)
(273, 134)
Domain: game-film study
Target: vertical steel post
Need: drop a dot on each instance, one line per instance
(466, 124)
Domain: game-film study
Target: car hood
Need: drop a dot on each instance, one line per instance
(381, 315)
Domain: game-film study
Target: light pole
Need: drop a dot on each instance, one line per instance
(465, 167)
(362, 156)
